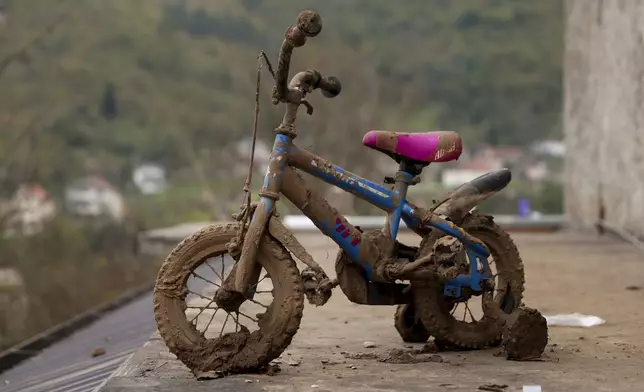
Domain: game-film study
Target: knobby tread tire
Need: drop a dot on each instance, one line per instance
(226, 354)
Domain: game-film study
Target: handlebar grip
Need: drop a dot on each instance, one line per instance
(330, 86)
(309, 22)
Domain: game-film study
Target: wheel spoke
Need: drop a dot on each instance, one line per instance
(260, 281)
(247, 316)
(470, 312)
(199, 295)
(258, 303)
(210, 321)
(202, 309)
(221, 278)
(265, 276)
(224, 326)
(205, 279)
(222, 268)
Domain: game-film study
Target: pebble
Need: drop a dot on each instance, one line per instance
(292, 362)
(315, 386)
(369, 344)
(248, 381)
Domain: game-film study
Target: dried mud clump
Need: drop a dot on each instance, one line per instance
(399, 356)
(525, 335)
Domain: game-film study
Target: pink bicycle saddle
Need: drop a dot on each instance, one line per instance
(438, 146)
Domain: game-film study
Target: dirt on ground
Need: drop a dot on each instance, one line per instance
(346, 347)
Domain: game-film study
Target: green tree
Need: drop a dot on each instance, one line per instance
(108, 103)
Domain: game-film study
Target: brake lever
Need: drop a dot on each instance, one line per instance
(309, 107)
(303, 101)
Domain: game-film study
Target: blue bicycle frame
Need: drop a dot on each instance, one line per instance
(282, 178)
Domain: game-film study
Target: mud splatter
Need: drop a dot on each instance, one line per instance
(400, 356)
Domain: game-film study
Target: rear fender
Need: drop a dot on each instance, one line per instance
(458, 203)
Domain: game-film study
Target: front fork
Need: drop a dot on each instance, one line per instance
(248, 270)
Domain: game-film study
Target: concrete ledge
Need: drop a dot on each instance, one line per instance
(152, 367)
(161, 241)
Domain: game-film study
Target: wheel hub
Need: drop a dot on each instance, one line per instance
(229, 300)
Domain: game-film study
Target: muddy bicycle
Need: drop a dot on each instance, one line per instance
(462, 255)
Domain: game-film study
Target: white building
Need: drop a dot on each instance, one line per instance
(150, 179)
(93, 197)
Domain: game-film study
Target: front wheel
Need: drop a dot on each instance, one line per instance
(241, 334)
(453, 322)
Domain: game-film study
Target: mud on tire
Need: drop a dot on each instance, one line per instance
(409, 326)
(435, 310)
(231, 352)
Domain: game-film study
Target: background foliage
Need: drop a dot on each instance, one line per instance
(120, 82)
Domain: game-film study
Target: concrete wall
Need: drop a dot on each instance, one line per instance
(604, 112)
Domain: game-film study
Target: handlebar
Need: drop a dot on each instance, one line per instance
(308, 24)
(312, 79)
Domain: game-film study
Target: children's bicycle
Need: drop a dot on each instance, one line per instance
(462, 255)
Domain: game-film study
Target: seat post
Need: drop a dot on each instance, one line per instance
(413, 168)
(406, 175)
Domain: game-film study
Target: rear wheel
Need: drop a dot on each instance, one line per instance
(454, 322)
(210, 328)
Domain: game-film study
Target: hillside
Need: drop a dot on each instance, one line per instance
(120, 82)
